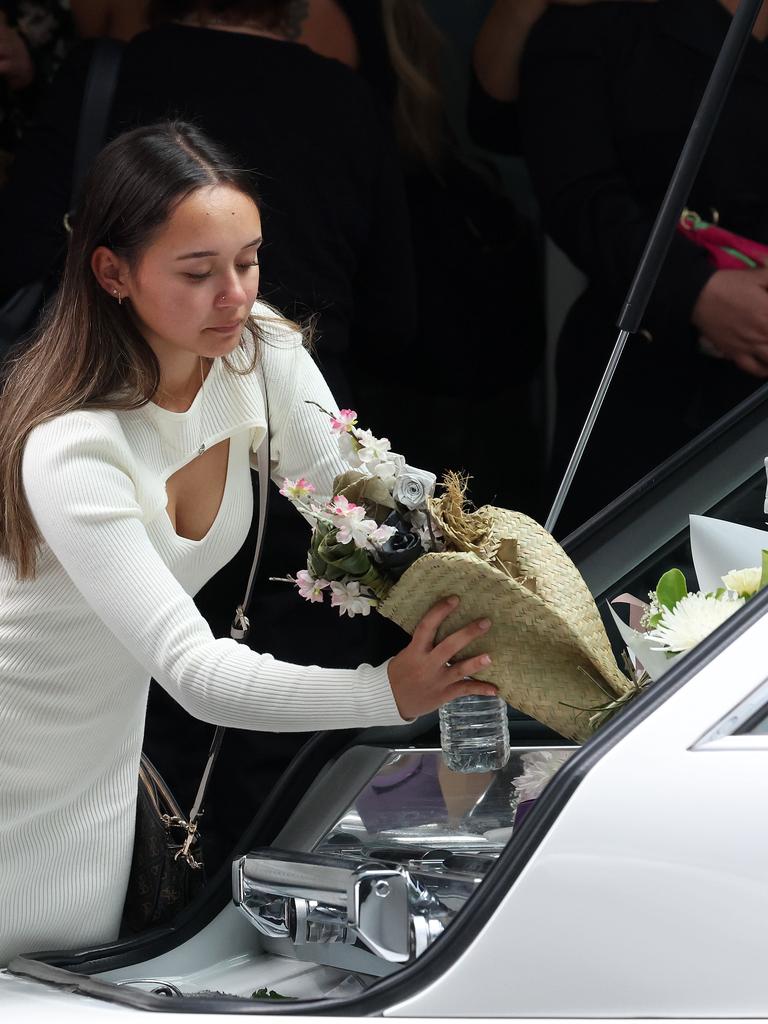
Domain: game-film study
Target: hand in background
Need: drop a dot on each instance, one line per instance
(732, 314)
(16, 65)
(423, 675)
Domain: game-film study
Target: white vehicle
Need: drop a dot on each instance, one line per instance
(376, 883)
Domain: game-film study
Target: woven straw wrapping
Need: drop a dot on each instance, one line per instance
(547, 641)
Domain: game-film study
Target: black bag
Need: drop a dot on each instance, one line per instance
(167, 869)
(20, 313)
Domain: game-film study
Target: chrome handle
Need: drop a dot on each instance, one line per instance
(313, 898)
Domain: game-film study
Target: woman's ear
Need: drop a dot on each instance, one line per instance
(111, 272)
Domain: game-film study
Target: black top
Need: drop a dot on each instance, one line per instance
(609, 92)
(335, 222)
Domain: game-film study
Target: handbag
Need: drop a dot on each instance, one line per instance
(19, 313)
(726, 250)
(167, 869)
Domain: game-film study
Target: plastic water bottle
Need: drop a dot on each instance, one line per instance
(474, 734)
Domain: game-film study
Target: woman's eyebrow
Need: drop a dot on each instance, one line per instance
(211, 252)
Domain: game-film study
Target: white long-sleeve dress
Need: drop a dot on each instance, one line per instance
(111, 606)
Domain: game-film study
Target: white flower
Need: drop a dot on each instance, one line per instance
(355, 528)
(538, 768)
(744, 582)
(385, 470)
(351, 599)
(694, 617)
(348, 450)
(413, 487)
(373, 449)
(376, 457)
(310, 588)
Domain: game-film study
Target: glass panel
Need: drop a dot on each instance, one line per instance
(756, 727)
(415, 804)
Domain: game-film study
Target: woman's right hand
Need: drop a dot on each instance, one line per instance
(732, 313)
(423, 675)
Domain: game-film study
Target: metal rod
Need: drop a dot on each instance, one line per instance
(663, 229)
(586, 430)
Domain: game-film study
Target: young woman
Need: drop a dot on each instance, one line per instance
(127, 432)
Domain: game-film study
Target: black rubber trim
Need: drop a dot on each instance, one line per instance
(388, 992)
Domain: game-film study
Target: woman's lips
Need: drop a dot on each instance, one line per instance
(227, 328)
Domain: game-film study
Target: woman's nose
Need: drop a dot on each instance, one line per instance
(232, 293)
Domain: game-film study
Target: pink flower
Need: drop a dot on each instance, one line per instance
(343, 508)
(310, 588)
(382, 534)
(346, 418)
(298, 489)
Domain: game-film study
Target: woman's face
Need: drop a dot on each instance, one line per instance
(194, 286)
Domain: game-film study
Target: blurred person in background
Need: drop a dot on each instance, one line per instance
(35, 36)
(477, 272)
(601, 137)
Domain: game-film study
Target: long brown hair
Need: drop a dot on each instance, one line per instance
(416, 46)
(87, 352)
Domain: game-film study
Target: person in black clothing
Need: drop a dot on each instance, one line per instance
(336, 244)
(607, 97)
(476, 275)
(35, 36)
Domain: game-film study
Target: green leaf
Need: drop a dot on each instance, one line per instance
(268, 993)
(671, 588)
(764, 574)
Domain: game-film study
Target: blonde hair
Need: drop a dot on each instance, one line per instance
(415, 48)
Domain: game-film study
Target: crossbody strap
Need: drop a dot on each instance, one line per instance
(240, 627)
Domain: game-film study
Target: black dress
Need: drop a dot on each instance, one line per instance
(337, 243)
(608, 94)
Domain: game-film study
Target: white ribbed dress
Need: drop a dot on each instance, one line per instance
(111, 606)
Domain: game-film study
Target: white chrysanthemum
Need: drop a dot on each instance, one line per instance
(694, 617)
(539, 767)
(744, 582)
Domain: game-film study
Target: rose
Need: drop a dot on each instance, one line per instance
(413, 487)
(401, 550)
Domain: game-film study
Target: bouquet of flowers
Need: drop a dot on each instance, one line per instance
(674, 619)
(384, 541)
(375, 526)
